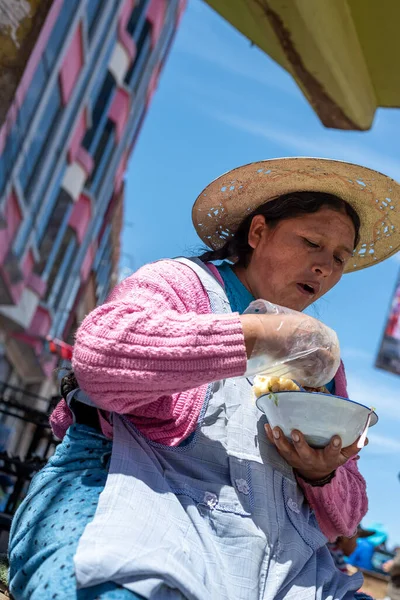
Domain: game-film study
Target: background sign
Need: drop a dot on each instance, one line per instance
(388, 357)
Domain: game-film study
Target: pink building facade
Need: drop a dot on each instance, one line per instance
(64, 148)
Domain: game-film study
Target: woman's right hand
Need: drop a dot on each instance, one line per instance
(291, 344)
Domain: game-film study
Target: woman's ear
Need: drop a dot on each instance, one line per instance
(256, 231)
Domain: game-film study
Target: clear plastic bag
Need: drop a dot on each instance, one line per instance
(295, 346)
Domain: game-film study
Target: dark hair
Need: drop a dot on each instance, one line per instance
(68, 384)
(286, 206)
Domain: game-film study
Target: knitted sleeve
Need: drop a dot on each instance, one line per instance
(150, 350)
(340, 505)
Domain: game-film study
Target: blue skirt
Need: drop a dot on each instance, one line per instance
(45, 531)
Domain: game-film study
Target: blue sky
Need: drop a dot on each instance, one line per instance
(222, 103)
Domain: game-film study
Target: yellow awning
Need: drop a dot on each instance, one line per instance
(343, 54)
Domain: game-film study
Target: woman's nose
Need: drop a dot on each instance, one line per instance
(323, 267)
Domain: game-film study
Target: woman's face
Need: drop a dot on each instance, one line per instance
(300, 259)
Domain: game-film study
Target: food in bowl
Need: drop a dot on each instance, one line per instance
(271, 385)
(266, 385)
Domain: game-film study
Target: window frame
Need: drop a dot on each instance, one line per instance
(55, 292)
(143, 55)
(30, 170)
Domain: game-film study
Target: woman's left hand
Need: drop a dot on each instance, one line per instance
(312, 464)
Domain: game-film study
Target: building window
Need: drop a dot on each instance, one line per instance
(93, 12)
(36, 153)
(59, 274)
(99, 113)
(33, 95)
(104, 241)
(36, 89)
(101, 68)
(63, 313)
(103, 266)
(103, 281)
(73, 109)
(138, 121)
(48, 210)
(25, 114)
(102, 157)
(57, 223)
(136, 19)
(10, 152)
(59, 33)
(37, 221)
(135, 72)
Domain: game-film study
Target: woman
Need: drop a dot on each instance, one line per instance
(199, 502)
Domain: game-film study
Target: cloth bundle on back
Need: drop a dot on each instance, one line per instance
(200, 500)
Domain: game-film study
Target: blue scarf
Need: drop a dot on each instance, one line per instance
(238, 295)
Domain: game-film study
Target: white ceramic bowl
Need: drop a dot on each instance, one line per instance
(318, 416)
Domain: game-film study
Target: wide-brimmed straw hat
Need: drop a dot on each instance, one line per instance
(225, 202)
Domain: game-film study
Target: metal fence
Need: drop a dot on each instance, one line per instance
(26, 442)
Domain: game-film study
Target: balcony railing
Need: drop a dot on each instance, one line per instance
(24, 429)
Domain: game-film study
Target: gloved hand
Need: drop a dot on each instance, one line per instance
(283, 342)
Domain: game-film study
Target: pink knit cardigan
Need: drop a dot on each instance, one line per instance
(150, 351)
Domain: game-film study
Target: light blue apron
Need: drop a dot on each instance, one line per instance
(221, 517)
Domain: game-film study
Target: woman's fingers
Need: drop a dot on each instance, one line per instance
(298, 453)
(307, 461)
(332, 452)
(353, 450)
(284, 447)
(314, 464)
(306, 454)
(268, 431)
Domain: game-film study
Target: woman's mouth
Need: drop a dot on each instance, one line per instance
(308, 289)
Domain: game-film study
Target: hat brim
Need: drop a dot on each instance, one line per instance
(225, 202)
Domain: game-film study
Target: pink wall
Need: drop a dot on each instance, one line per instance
(153, 84)
(123, 36)
(27, 264)
(156, 16)
(40, 323)
(126, 11)
(72, 65)
(36, 284)
(88, 262)
(15, 290)
(77, 136)
(85, 160)
(80, 216)
(48, 366)
(119, 110)
(30, 70)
